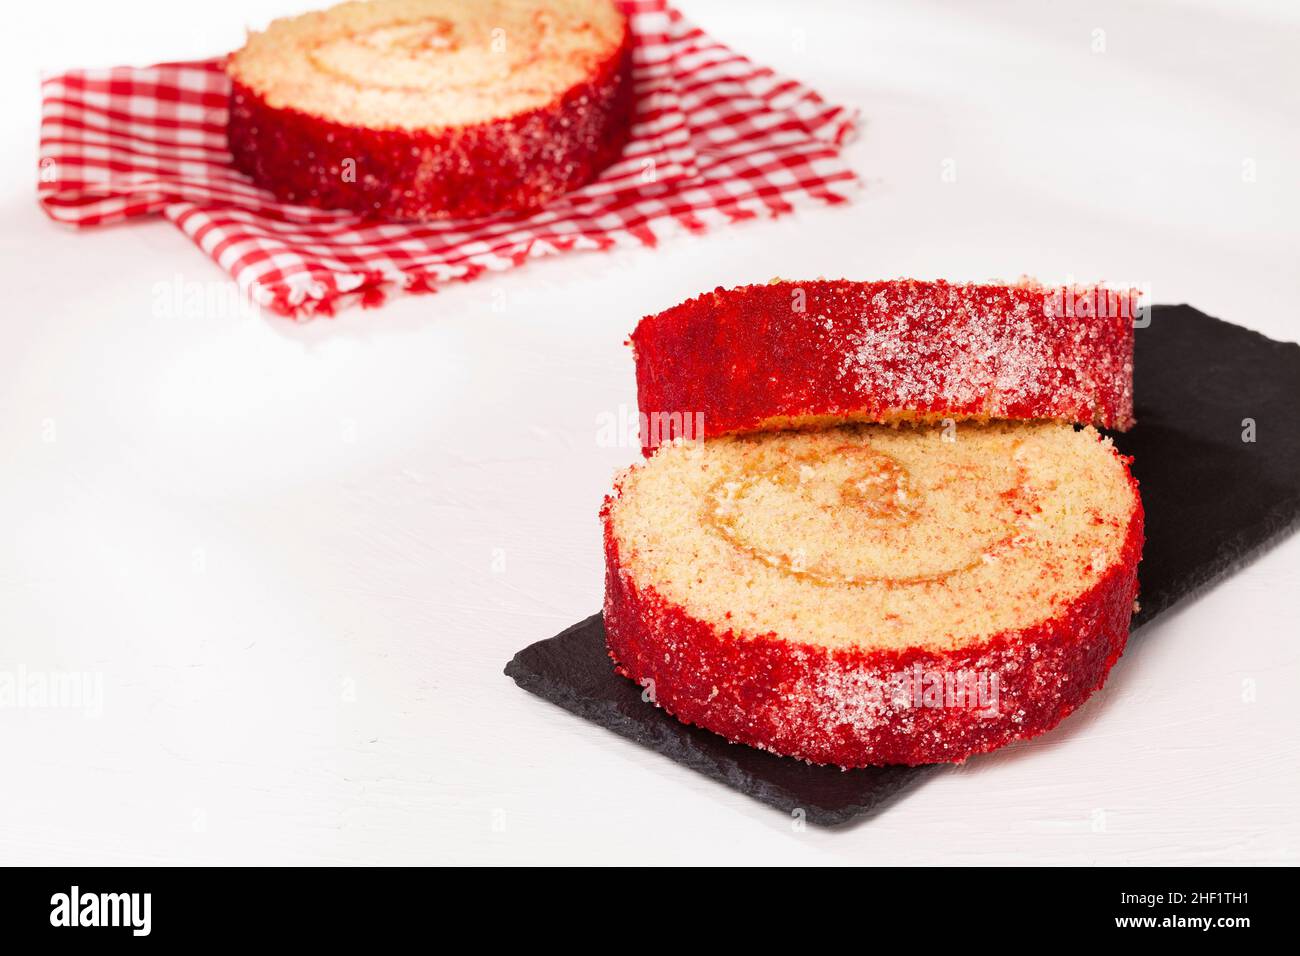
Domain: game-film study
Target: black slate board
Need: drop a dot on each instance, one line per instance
(1212, 500)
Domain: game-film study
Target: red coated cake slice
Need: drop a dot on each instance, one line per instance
(792, 354)
(871, 594)
(428, 109)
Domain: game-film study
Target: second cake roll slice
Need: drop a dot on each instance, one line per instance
(799, 354)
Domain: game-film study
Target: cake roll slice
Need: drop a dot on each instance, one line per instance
(432, 109)
(803, 354)
(871, 594)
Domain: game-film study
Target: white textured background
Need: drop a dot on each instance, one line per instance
(276, 543)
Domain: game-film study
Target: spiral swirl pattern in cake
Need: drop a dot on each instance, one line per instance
(790, 590)
(423, 109)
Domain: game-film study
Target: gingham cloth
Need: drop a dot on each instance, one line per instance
(716, 139)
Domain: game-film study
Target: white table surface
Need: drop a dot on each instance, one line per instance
(298, 556)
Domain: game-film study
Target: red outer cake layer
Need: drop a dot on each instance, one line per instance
(516, 163)
(828, 706)
(754, 357)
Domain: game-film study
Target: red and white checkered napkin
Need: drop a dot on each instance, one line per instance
(717, 139)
